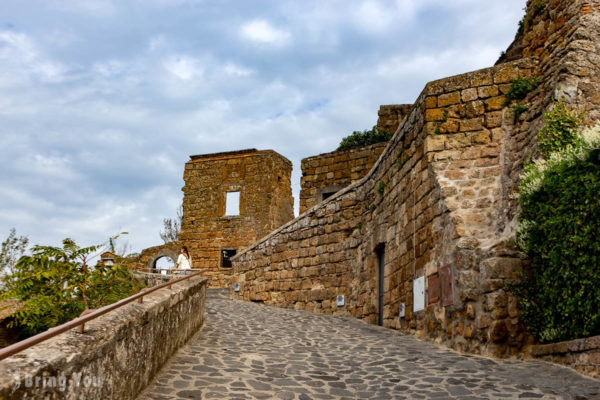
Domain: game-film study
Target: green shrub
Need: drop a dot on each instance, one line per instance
(364, 138)
(520, 87)
(55, 284)
(560, 129)
(558, 229)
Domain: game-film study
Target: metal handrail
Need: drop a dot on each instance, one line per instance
(86, 316)
(172, 270)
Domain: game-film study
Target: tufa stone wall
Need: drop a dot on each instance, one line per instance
(262, 179)
(116, 357)
(327, 173)
(437, 205)
(390, 116)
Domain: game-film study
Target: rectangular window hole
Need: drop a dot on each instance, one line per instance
(232, 203)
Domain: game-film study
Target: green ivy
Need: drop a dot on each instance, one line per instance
(560, 129)
(558, 230)
(364, 138)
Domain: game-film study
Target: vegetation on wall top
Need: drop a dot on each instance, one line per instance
(364, 138)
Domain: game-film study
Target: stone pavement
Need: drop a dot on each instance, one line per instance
(252, 351)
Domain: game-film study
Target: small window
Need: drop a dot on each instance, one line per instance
(232, 203)
(226, 255)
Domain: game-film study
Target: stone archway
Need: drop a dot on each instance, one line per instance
(172, 254)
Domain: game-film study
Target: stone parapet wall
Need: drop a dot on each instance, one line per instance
(331, 172)
(582, 355)
(116, 357)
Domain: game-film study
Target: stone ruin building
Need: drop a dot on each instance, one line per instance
(413, 234)
(230, 200)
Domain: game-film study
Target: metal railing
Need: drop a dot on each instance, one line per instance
(86, 316)
(168, 271)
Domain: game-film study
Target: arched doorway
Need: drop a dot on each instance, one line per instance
(162, 261)
(164, 264)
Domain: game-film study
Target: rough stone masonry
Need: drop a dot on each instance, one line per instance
(421, 243)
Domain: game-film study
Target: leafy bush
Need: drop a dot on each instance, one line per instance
(559, 230)
(560, 129)
(55, 284)
(520, 87)
(364, 138)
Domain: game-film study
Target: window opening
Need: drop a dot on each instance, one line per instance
(232, 203)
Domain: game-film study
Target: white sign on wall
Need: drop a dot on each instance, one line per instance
(419, 294)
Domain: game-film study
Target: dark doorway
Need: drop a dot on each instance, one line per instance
(226, 255)
(380, 250)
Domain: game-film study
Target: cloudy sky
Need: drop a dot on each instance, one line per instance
(102, 101)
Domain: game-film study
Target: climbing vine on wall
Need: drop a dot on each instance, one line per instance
(558, 230)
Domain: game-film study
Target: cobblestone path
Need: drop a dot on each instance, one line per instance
(250, 351)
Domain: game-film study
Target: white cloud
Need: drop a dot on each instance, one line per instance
(183, 67)
(235, 70)
(109, 68)
(96, 8)
(262, 32)
(22, 59)
(157, 43)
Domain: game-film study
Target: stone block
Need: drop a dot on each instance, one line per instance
(506, 74)
(469, 94)
(501, 268)
(485, 92)
(449, 99)
(498, 331)
(472, 124)
(495, 103)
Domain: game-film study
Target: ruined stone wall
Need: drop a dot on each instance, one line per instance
(116, 357)
(333, 171)
(390, 116)
(438, 201)
(263, 180)
(148, 257)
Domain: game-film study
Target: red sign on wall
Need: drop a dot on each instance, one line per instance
(446, 278)
(433, 288)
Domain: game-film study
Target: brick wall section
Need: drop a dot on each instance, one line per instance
(390, 116)
(263, 180)
(334, 171)
(447, 176)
